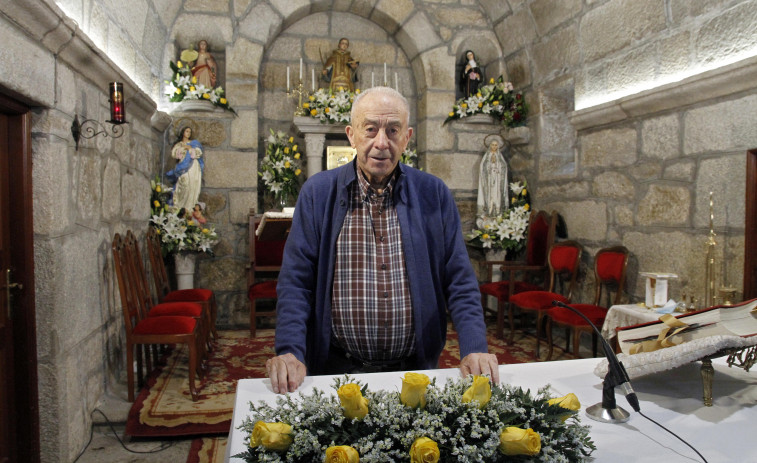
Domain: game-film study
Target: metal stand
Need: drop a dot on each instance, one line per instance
(608, 411)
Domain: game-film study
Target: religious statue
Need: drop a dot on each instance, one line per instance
(202, 63)
(492, 183)
(187, 175)
(471, 77)
(340, 69)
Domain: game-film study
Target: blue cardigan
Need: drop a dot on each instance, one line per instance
(438, 267)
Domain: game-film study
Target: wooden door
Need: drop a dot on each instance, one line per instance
(750, 227)
(19, 409)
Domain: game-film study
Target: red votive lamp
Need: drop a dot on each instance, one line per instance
(117, 114)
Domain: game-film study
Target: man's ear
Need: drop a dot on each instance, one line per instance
(409, 133)
(350, 132)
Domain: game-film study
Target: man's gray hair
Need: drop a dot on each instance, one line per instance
(385, 91)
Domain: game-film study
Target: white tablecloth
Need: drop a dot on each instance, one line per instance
(722, 433)
(626, 315)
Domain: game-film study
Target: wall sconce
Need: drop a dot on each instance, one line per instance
(90, 128)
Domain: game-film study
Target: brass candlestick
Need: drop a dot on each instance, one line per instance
(298, 91)
(709, 283)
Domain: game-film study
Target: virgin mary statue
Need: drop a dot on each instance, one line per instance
(492, 183)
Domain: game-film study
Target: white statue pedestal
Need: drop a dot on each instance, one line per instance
(185, 269)
(315, 133)
(656, 288)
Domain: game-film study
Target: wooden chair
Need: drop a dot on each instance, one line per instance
(186, 309)
(563, 261)
(266, 254)
(202, 296)
(150, 331)
(609, 272)
(524, 275)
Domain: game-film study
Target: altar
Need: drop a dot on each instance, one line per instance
(315, 133)
(673, 398)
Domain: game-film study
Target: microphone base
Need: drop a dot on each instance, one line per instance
(607, 415)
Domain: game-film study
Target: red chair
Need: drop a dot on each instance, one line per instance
(202, 296)
(564, 259)
(266, 254)
(151, 331)
(540, 236)
(609, 272)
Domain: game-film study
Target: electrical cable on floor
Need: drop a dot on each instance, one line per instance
(674, 435)
(163, 446)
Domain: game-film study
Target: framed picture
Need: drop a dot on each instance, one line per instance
(338, 156)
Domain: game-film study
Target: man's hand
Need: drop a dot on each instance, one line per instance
(479, 363)
(286, 373)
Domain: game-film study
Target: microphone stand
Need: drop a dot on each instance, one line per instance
(608, 411)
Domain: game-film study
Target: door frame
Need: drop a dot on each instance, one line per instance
(26, 400)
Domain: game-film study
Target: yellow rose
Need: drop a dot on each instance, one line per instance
(424, 450)
(291, 139)
(313, 112)
(297, 155)
(294, 148)
(156, 203)
(306, 105)
(311, 98)
(519, 441)
(569, 402)
(495, 102)
(297, 172)
(485, 236)
(178, 64)
(513, 200)
(286, 149)
(523, 192)
(273, 436)
(206, 96)
(194, 79)
(205, 230)
(480, 105)
(223, 100)
(464, 105)
(178, 90)
(451, 114)
(191, 89)
(526, 206)
(414, 390)
(353, 402)
(357, 91)
(327, 110)
(491, 81)
(287, 164)
(341, 454)
(478, 94)
(480, 390)
(158, 188)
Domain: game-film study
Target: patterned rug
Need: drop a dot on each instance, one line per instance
(165, 408)
(212, 449)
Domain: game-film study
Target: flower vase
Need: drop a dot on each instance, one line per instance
(185, 269)
(494, 255)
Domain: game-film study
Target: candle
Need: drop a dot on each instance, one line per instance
(385, 74)
(312, 79)
(396, 84)
(287, 78)
(300, 70)
(373, 84)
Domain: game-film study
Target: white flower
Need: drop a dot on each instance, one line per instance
(516, 188)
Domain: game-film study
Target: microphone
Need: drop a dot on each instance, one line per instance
(607, 411)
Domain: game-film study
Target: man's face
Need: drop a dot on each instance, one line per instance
(380, 134)
(344, 44)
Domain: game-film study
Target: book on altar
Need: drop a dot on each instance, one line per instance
(729, 320)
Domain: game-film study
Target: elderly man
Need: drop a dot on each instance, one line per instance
(374, 260)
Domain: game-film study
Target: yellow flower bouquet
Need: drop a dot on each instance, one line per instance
(464, 420)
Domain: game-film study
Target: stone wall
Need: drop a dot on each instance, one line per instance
(81, 198)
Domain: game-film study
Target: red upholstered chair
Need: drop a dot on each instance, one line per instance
(202, 296)
(524, 275)
(563, 261)
(266, 254)
(151, 331)
(609, 272)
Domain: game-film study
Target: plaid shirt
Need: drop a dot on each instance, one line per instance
(371, 313)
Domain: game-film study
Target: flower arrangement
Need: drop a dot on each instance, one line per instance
(508, 230)
(178, 229)
(280, 166)
(465, 420)
(329, 106)
(410, 157)
(496, 99)
(184, 86)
